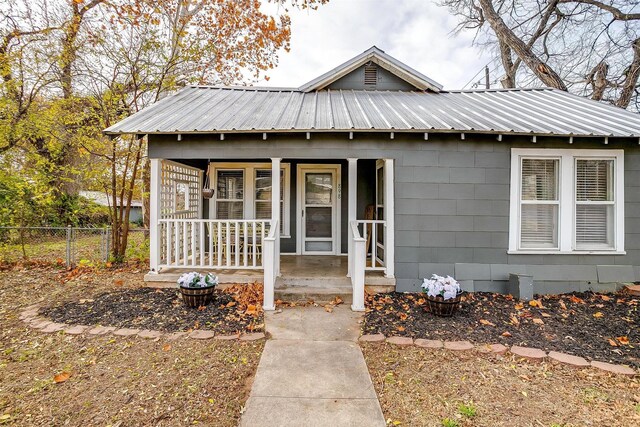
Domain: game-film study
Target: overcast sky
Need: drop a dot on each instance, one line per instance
(417, 32)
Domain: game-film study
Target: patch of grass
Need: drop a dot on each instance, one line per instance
(546, 392)
(448, 422)
(593, 394)
(113, 380)
(467, 410)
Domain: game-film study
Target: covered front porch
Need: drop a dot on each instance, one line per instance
(326, 223)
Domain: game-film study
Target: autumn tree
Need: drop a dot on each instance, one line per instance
(100, 61)
(589, 47)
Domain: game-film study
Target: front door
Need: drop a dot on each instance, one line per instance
(318, 194)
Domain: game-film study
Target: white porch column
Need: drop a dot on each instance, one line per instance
(154, 215)
(389, 210)
(353, 207)
(275, 206)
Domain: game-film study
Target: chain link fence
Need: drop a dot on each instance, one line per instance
(68, 246)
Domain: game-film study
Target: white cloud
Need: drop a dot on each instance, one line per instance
(417, 32)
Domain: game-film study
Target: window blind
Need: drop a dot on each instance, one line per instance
(230, 194)
(263, 195)
(594, 203)
(539, 203)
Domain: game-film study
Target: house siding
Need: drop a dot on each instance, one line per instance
(452, 203)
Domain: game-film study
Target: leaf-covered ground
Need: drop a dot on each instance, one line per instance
(419, 387)
(109, 380)
(596, 326)
(162, 310)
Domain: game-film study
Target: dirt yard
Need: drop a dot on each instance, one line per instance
(55, 380)
(419, 387)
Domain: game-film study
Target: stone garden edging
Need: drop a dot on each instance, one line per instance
(528, 353)
(32, 319)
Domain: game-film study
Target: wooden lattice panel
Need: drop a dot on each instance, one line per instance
(189, 179)
(173, 175)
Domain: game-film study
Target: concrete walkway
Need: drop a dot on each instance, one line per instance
(312, 373)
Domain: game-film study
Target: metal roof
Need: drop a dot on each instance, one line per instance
(377, 56)
(210, 109)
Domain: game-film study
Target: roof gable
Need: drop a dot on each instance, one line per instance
(376, 56)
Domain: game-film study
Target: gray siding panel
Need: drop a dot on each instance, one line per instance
(453, 217)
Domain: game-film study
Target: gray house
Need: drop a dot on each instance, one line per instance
(386, 178)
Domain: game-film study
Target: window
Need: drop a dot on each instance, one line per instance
(243, 191)
(263, 195)
(566, 201)
(229, 194)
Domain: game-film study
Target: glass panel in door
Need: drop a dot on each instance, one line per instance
(318, 211)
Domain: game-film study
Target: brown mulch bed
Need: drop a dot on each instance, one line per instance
(602, 327)
(111, 380)
(162, 310)
(418, 387)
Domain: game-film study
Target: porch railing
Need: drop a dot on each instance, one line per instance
(357, 267)
(373, 232)
(211, 243)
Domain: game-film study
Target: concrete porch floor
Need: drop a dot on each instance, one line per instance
(302, 277)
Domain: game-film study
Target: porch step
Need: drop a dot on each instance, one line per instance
(313, 293)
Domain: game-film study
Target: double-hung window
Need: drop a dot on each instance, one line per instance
(566, 201)
(244, 190)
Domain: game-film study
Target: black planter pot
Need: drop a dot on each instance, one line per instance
(196, 297)
(441, 307)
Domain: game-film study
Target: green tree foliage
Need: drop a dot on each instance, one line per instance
(70, 68)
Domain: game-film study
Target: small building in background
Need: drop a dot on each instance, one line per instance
(103, 199)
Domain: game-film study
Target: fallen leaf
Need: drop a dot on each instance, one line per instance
(538, 321)
(118, 282)
(402, 316)
(623, 340)
(251, 309)
(605, 298)
(612, 343)
(166, 347)
(536, 303)
(563, 305)
(337, 300)
(515, 321)
(519, 306)
(598, 314)
(61, 377)
(545, 314)
(400, 328)
(486, 322)
(231, 303)
(328, 308)
(506, 334)
(576, 300)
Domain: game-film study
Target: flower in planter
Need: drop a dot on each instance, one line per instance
(197, 280)
(446, 287)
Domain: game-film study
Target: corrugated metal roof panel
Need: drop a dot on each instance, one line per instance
(524, 111)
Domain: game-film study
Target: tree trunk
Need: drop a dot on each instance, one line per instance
(631, 79)
(545, 73)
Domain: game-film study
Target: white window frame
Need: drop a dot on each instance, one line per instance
(250, 190)
(567, 198)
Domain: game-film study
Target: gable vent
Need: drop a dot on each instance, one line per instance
(370, 75)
